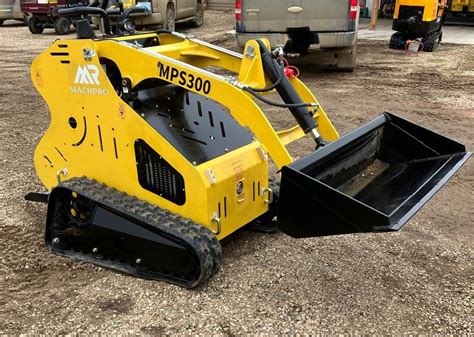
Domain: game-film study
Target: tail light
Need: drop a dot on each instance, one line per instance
(238, 10)
(353, 9)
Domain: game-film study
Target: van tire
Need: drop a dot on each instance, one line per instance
(34, 26)
(62, 26)
(198, 20)
(347, 61)
(170, 19)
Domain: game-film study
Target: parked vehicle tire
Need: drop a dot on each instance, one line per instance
(62, 26)
(34, 26)
(347, 61)
(170, 20)
(199, 16)
(1, 22)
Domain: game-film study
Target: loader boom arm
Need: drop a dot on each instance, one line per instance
(182, 61)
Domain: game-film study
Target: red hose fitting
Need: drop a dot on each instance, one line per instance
(290, 73)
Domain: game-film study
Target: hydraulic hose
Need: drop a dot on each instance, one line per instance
(289, 95)
(281, 74)
(280, 105)
(278, 81)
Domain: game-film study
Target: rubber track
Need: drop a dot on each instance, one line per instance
(431, 42)
(394, 41)
(198, 238)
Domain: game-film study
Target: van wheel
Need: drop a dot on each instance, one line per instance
(347, 62)
(170, 21)
(199, 16)
(62, 26)
(34, 26)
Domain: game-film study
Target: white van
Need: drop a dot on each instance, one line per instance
(10, 10)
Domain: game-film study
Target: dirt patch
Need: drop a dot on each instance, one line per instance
(418, 280)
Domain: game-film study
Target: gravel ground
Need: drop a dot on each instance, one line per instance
(418, 280)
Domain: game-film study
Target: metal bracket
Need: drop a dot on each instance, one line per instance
(88, 54)
(37, 197)
(210, 176)
(181, 35)
(217, 220)
(63, 172)
(263, 155)
(270, 194)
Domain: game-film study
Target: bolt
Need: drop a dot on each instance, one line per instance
(95, 250)
(138, 261)
(240, 187)
(250, 52)
(55, 241)
(88, 54)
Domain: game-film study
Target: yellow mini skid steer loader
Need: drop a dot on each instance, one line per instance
(152, 156)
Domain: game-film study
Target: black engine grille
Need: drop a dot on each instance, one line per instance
(156, 175)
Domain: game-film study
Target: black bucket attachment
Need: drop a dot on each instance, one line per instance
(373, 179)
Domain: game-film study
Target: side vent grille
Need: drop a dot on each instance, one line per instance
(156, 175)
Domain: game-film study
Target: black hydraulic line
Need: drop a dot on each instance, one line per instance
(278, 81)
(280, 105)
(255, 91)
(104, 4)
(132, 10)
(290, 96)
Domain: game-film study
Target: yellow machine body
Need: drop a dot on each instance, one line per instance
(93, 131)
(418, 20)
(432, 9)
